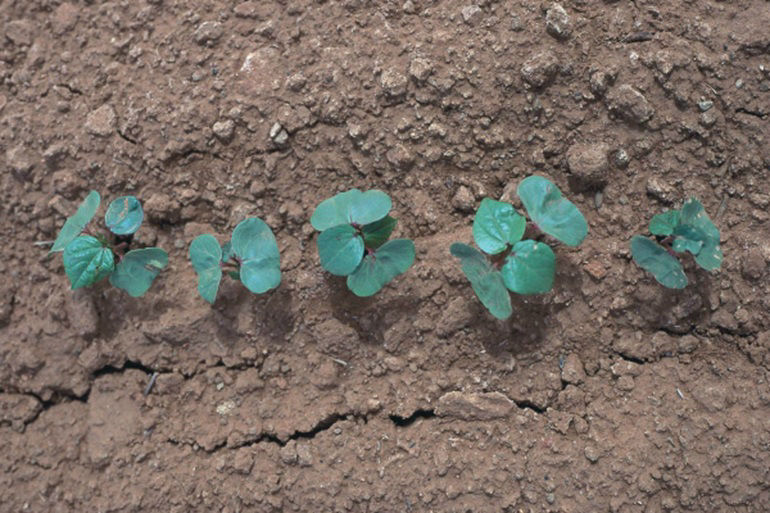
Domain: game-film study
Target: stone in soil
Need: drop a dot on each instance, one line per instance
(474, 406)
(588, 165)
(631, 105)
(557, 22)
(101, 122)
(540, 69)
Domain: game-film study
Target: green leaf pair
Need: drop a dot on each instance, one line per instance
(89, 259)
(686, 230)
(253, 253)
(355, 227)
(520, 266)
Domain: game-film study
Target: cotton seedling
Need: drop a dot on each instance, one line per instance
(251, 257)
(511, 264)
(678, 231)
(355, 227)
(90, 256)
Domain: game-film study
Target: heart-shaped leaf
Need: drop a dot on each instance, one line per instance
(124, 215)
(351, 207)
(697, 234)
(77, 223)
(552, 213)
(497, 225)
(137, 269)
(665, 223)
(378, 269)
(254, 244)
(87, 260)
(486, 281)
(530, 268)
(376, 233)
(206, 256)
(653, 258)
(341, 249)
(710, 256)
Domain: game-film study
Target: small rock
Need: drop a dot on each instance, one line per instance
(420, 69)
(626, 383)
(661, 190)
(278, 134)
(326, 376)
(224, 129)
(393, 83)
(516, 24)
(705, 105)
(101, 122)
(540, 69)
(600, 82)
(595, 269)
(304, 457)
(161, 208)
(754, 265)
(474, 406)
(400, 157)
(208, 33)
(64, 18)
(631, 105)
(709, 118)
(588, 165)
(408, 7)
(471, 14)
(19, 161)
(573, 372)
(557, 22)
(18, 409)
(54, 155)
(288, 453)
(463, 200)
(621, 158)
(296, 82)
(246, 10)
(19, 32)
(687, 344)
(591, 453)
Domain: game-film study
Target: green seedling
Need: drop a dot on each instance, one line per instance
(90, 257)
(251, 257)
(520, 266)
(355, 227)
(678, 231)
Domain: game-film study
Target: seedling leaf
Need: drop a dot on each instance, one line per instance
(137, 269)
(653, 258)
(124, 215)
(698, 235)
(497, 225)
(376, 233)
(710, 256)
(87, 260)
(341, 249)
(77, 223)
(350, 207)
(378, 269)
(487, 282)
(227, 251)
(530, 268)
(254, 244)
(551, 212)
(206, 255)
(684, 244)
(665, 223)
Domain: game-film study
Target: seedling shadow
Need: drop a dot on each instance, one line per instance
(676, 311)
(371, 316)
(526, 330)
(273, 316)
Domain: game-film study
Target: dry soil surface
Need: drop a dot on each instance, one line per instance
(607, 394)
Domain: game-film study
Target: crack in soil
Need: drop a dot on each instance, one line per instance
(400, 421)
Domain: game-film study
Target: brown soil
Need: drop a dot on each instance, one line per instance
(607, 394)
